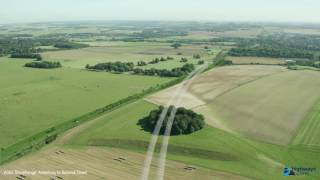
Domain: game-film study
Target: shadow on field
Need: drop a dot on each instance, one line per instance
(172, 149)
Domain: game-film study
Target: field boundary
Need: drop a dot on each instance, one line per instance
(173, 149)
(38, 140)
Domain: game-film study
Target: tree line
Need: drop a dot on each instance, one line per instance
(155, 61)
(27, 55)
(70, 45)
(120, 67)
(315, 64)
(20, 44)
(43, 64)
(112, 67)
(175, 72)
(277, 45)
(271, 52)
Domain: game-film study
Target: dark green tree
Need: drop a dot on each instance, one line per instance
(185, 121)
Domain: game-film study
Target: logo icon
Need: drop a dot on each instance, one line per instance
(287, 171)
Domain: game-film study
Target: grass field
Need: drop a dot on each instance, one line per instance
(256, 60)
(270, 109)
(210, 148)
(125, 52)
(32, 100)
(309, 133)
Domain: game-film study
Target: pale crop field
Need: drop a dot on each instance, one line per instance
(206, 87)
(256, 60)
(270, 109)
(32, 100)
(268, 103)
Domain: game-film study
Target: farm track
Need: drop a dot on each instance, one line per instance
(174, 98)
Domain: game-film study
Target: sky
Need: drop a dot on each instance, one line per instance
(20, 11)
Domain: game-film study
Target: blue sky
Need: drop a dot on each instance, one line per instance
(202, 10)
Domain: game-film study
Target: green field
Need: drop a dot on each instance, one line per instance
(269, 109)
(309, 133)
(210, 147)
(121, 51)
(32, 100)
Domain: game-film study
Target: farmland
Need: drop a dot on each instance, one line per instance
(261, 113)
(250, 109)
(125, 52)
(105, 163)
(229, 98)
(44, 98)
(226, 152)
(256, 60)
(214, 83)
(309, 134)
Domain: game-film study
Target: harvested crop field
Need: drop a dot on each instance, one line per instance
(270, 109)
(215, 82)
(264, 102)
(256, 60)
(102, 163)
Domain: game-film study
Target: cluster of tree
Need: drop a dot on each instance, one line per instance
(196, 56)
(25, 44)
(112, 67)
(279, 45)
(184, 60)
(26, 55)
(157, 60)
(176, 45)
(185, 121)
(157, 33)
(271, 52)
(50, 138)
(200, 62)
(176, 72)
(141, 63)
(43, 64)
(70, 45)
(220, 60)
(310, 63)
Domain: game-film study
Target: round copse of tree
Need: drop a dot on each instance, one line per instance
(185, 121)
